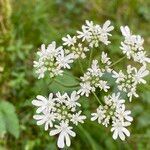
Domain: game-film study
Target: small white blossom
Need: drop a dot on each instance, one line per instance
(72, 100)
(43, 103)
(77, 118)
(85, 89)
(119, 129)
(64, 131)
(123, 114)
(100, 114)
(140, 74)
(65, 60)
(45, 118)
(68, 40)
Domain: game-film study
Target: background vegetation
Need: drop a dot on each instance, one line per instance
(24, 25)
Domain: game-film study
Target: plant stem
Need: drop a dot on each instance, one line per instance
(117, 61)
(90, 60)
(51, 81)
(81, 66)
(88, 136)
(97, 98)
(68, 86)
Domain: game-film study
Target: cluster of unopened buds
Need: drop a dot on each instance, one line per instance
(60, 112)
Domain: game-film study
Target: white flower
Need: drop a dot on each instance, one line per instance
(78, 118)
(61, 98)
(115, 97)
(85, 89)
(43, 103)
(103, 85)
(72, 100)
(41, 71)
(107, 28)
(141, 57)
(52, 50)
(122, 114)
(100, 114)
(125, 31)
(119, 129)
(132, 93)
(94, 70)
(68, 40)
(89, 25)
(46, 118)
(106, 121)
(119, 76)
(64, 61)
(52, 60)
(105, 59)
(126, 50)
(64, 131)
(140, 74)
(84, 35)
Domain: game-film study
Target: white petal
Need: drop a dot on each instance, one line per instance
(126, 131)
(121, 135)
(115, 134)
(54, 132)
(38, 117)
(40, 122)
(37, 103)
(42, 98)
(73, 134)
(60, 141)
(68, 142)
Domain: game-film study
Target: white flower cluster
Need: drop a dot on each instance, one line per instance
(92, 79)
(74, 47)
(94, 33)
(113, 113)
(132, 46)
(52, 60)
(59, 112)
(128, 82)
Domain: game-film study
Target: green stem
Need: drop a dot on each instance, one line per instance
(90, 61)
(51, 81)
(89, 137)
(97, 98)
(81, 66)
(117, 61)
(68, 86)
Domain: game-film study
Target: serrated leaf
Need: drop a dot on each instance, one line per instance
(10, 118)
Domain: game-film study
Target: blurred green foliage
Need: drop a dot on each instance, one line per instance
(24, 25)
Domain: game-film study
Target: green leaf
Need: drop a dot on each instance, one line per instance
(67, 79)
(2, 124)
(10, 118)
